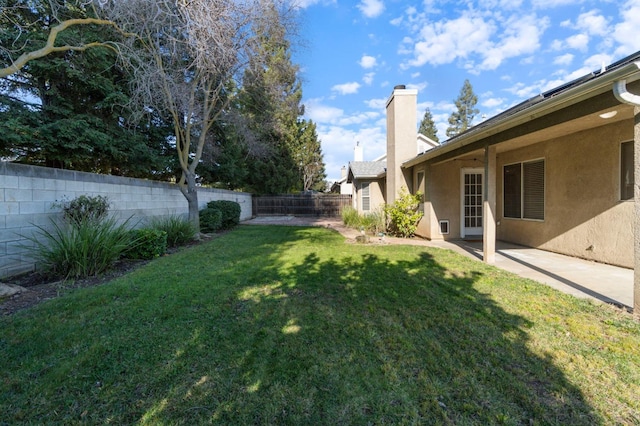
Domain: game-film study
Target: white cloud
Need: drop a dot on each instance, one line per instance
(563, 60)
(483, 42)
(492, 102)
(319, 113)
(338, 143)
(625, 32)
(360, 118)
(367, 61)
(378, 103)
(346, 88)
(593, 23)
(368, 78)
(548, 4)
(303, 4)
(521, 37)
(371, 8)
(443, 41)
(578, 41)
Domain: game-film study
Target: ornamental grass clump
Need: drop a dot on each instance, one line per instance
(86, 243)
(179, 230)
(81, 249)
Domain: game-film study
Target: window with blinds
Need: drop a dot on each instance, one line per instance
(626, 171)
(523, 190)
(366, 197)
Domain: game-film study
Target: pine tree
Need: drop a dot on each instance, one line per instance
(428, 127)
(76, 119)
(461, 120)
(308, 155)
(270, 101)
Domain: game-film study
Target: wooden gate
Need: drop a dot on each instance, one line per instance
(328, 205)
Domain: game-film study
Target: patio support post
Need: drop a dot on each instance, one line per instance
(489, 206)
(636, 199)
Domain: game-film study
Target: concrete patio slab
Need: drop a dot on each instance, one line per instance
(578, 277)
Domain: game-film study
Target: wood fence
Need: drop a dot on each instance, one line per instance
(328, 205)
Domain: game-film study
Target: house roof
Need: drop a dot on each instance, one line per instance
(366, 170)
(590, 85)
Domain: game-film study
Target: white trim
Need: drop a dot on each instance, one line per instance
(463, 171)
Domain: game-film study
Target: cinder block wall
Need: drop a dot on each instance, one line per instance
(28, 197)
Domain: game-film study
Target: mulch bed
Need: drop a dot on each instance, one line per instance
(40, 287)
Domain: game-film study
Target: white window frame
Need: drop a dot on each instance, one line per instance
(365, 195)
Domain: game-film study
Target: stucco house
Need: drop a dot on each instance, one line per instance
(555, 172)
(366, 179)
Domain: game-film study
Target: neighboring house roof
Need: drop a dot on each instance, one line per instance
(366, 170)
(591, 84)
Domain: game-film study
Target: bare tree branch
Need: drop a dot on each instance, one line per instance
(50, 46)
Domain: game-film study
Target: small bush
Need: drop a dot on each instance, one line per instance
(179, 230)
(81, 249)
(210, 220)
(230, 212)
(146, 243)
(404, 214)
(85, 208)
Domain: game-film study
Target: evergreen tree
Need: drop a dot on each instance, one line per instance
(270, 101)
(428, 127)
(308, 155)
(66, 109)
(461, 120)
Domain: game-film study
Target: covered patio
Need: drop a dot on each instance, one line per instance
(571, 275)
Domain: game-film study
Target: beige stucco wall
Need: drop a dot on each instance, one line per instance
(443, 199)
(376, 192)
(584, 216)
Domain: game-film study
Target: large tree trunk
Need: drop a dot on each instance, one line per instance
(190, 192)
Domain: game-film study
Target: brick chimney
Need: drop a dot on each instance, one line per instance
(402, 135)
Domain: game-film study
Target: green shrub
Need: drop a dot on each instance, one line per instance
(81, 249)
(210, 220)
(179, 230)
(350, 217)
(146, 243)
(404, 215)
(230, 212)
(84, 208)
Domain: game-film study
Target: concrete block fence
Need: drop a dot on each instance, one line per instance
(29, 194)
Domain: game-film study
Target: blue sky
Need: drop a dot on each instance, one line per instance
(355, 52)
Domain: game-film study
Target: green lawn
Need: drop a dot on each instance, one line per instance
(286, 325)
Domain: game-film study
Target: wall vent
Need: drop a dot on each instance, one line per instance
(444, 227)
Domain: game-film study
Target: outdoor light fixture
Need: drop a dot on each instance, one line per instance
(609, 114)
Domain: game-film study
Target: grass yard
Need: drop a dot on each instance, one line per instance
(287, 325)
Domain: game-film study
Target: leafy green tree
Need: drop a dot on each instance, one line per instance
(309, 157)
(66, 110)
(270, 101)
(428, 127)
(461, 119)
(35, 29)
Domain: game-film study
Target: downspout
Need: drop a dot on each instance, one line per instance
(623, 95)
